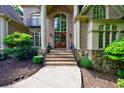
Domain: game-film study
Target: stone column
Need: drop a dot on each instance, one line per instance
(43, 25)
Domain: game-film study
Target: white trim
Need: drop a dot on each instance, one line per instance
(78, 34)
(75, 12)
(104, 39)
(43, 25)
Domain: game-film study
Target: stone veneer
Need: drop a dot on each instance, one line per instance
(100, 61)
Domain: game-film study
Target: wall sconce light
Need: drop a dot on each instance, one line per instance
(70, 35)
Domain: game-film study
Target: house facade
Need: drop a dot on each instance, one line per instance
(90, 27)
(87, 28)
(10, 21)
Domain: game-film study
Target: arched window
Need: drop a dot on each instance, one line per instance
(99, 12)
(60, 23)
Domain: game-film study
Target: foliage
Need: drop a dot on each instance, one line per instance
(120, 73)
(115, 51)
(18, 39)
(120, 83)
(86, 62)
(38, 59)
(3, 55)
(17, 8)
(19, 46)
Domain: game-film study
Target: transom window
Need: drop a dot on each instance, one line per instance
(99, 12)
(107, 34)
(60, 23)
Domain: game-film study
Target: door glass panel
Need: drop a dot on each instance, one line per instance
(60, 23)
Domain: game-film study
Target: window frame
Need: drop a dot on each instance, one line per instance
(34, 39)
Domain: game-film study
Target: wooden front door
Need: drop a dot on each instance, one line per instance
(60, 40)
(60, 29)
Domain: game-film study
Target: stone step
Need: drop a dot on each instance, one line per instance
(60, 56)
(60, 53)
(57, 51)
(60, 59)
(61, 63)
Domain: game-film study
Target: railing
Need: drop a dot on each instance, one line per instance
(46, 51)
(33, 22)
(75, 53)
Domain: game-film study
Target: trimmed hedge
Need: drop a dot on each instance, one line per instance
(115, 50)
(86, 62)
(120, 73)
(38, 59)
(120, 83)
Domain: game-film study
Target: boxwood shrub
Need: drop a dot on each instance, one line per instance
(86, 62)
(115, 50)
(120, 83)
(38, 59)
(120, 73)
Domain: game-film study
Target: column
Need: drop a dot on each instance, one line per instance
(2, 32)
(75, 25)
(78, 34)
(43, 25)
(107, 12)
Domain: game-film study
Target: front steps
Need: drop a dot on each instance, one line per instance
(60, 57)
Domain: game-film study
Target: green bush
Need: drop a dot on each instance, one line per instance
(120, 73)
(86, 62)
(120, 83)
(115, 50)
(18, 39)
(3, 55)
(19, 46)
(38, 59)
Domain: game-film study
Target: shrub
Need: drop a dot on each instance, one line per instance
(19, 46)
(120, 73)
(120, 83)
(115, 50)
(18, 39)
(3, 55)
(86, 62)
(38, 59)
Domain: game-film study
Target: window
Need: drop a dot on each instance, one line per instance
(36, 39)
(99, 12)
(107, 38)
(60, 23)
(114, 36)
(100, 39)
(107, 34)
(0, 35)
(35, 19)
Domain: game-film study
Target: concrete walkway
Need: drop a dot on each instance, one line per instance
(52, 77)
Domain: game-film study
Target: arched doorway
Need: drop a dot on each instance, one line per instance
(60, 29)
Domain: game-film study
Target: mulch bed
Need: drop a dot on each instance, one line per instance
(97, 79)
(12, 71)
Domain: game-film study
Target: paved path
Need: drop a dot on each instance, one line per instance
(52, 77)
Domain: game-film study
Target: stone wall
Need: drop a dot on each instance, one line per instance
(102, 63)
